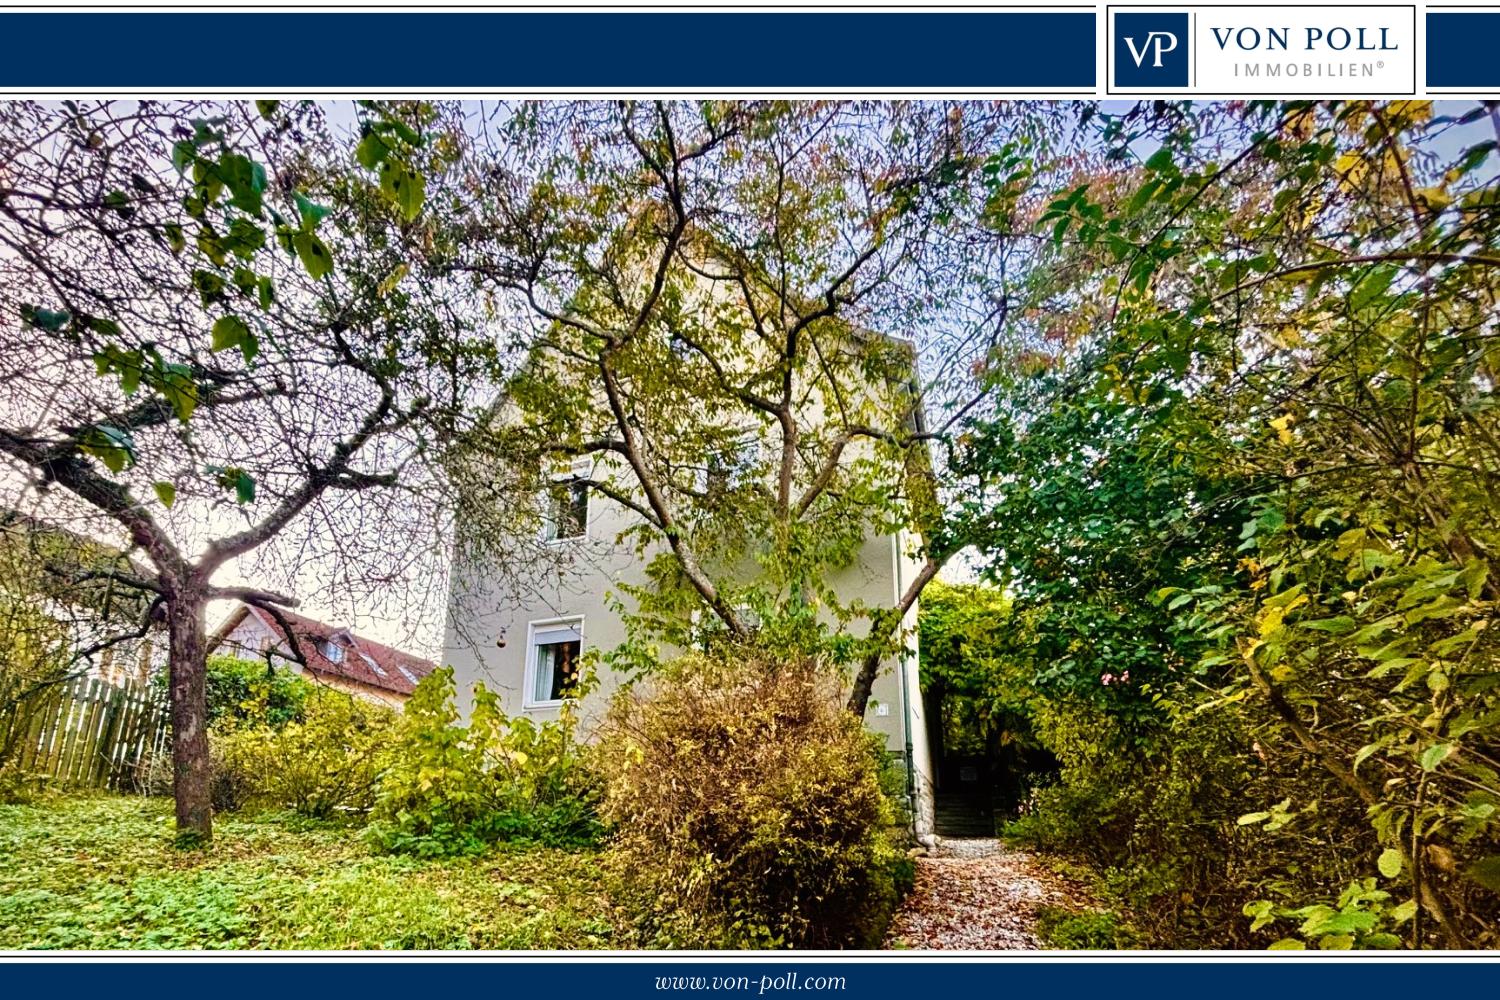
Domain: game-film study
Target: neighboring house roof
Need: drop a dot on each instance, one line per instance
(363, 661)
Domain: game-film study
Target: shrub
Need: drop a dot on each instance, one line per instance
(1089, 930)
(250, 691)
(453, 789)
(1154, 809)
(321, 765)
(749, 809)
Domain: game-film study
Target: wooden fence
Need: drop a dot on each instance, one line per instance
(86, 733)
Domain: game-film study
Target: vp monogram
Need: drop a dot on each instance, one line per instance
(1151, 49)
(1157, 44)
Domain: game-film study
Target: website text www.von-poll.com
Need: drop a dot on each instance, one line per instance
(762, 985)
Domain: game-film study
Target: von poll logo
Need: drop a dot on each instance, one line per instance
(1263, 51)
(1151, 50)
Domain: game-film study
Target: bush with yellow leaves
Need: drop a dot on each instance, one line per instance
(748, 809)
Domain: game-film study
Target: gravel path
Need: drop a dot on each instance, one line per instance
(978, 895)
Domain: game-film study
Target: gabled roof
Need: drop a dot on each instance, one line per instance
(364, 661)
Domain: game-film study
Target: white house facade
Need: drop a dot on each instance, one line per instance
(522, 634)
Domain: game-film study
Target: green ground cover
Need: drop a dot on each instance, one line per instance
(101, 872)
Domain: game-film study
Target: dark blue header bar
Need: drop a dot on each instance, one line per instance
(1463, 50)
(361, 51)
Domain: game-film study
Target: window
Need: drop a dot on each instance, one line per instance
(708, 631)
(333, 651)
(552, 660)
(566, 507)
(731, 466)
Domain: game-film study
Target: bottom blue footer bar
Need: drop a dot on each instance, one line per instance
(910, 979)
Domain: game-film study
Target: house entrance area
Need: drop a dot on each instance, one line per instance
(985, 764)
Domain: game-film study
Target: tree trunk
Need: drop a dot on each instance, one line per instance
(885, 626)
(191, 773)
(864, 683)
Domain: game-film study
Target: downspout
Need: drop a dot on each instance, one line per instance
(912, 807)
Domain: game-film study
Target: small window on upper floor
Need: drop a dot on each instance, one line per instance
(566, 513)
(731, 466)
(333, 651)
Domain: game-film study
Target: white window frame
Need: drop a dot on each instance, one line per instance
(529, 678)
(746, 450)
(580, 469)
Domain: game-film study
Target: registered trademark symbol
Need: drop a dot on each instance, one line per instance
(1380, 64)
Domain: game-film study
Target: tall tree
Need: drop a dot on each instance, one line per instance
(220, 340)
(1291, 307)
(697, 278)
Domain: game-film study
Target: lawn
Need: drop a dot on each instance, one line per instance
(101, 872)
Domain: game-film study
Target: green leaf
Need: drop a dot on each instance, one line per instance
(309, 211)
(1389, 863)
(1486, 871)
(244, 488)
(1404, 912)
(183, 154)
(393, 279)
(107, 327)
(166, 493)
(245, 179)
(1435, 755)
(212, 245)
(119, 201)
(1160, 160)
(371, 151)
(1372, 286)
(244, 238)
(1287, 944)
(314, 255)
(127, 364)
(44, 319)
(175, 383)
(267, 108)
(231, 331)
(1339, 625)
(175, 239)
(403, 186)
(111, 446)
(210, 286)
(1341, 923)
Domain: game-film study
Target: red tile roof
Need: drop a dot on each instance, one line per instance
(365, 661)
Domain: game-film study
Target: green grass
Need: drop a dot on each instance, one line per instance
(103, 873)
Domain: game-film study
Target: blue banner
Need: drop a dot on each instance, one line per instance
(361, 51)
(1463, 50)
(779, 977)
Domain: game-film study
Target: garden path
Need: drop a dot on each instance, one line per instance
(978, 894)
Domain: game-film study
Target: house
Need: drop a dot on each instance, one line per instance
(568, 581)
(334, 656)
